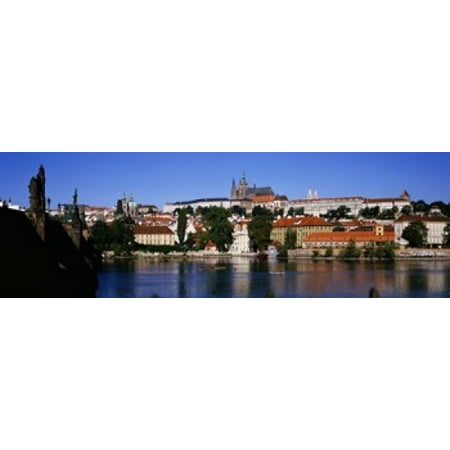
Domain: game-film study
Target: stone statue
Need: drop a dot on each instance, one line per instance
(33, 187)
(37, 192)
(76, 219)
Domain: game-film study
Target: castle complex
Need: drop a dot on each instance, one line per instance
(241, 195)
(243, 192)
(315, 206)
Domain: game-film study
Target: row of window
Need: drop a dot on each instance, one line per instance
(152, 240)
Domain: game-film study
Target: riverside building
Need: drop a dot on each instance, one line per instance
(303, 226)
(435, 227)
(315, 206)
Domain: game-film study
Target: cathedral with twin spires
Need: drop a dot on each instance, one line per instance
(243, 192)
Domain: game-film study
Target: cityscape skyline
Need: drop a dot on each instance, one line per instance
(165, 177)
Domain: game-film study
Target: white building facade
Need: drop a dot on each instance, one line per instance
(203, 203)
(241, 240)
(435, 227)
(315, 206)
(154, 235)
(320, 206)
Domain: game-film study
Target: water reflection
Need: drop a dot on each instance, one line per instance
(182, 289)
(417, 283)
(246, 277)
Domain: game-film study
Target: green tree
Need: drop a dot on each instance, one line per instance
(278, 212)
(385, 251)
(350, 251)
(238, 210)
(420, 207)
(189, 210)
(416, 234)
(190, 242)
(290, 240)
(407, 210)
(101, 236)
(441, 206)
(261, 211)
(220, 229)
(343, 212)
(201, 210)
(122, 236)
(447, 234)
(181, 225)
(200, 239)
(259, 230)
(296, 211)
(118, 236)
(370, 213)
(369, 251)
(329, 252)
(387, 214)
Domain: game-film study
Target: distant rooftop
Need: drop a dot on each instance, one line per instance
(201, 200)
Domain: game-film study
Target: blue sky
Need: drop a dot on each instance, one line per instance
(158, 178)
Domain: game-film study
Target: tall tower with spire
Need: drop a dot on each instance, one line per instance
(242, 188)
(233, 193)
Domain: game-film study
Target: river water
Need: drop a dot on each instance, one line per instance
(247, 277)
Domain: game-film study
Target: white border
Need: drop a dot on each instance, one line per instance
(238, 76)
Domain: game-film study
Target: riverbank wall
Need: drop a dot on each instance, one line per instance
(109, 255)
(411, 253)
(292, 254)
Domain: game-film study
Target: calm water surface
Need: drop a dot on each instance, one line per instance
(245, 277)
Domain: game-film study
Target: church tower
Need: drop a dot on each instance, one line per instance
(242, 189)
(233, 194)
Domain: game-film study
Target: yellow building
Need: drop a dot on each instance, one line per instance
(303, 226)
(154, 235)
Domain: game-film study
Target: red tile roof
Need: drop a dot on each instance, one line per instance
(310, 221)
(313, 221)
(287, 222)
(147, 229)
(406, 218)
(263, 198)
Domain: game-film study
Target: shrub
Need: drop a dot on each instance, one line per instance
(369, 251)
(350, 251)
